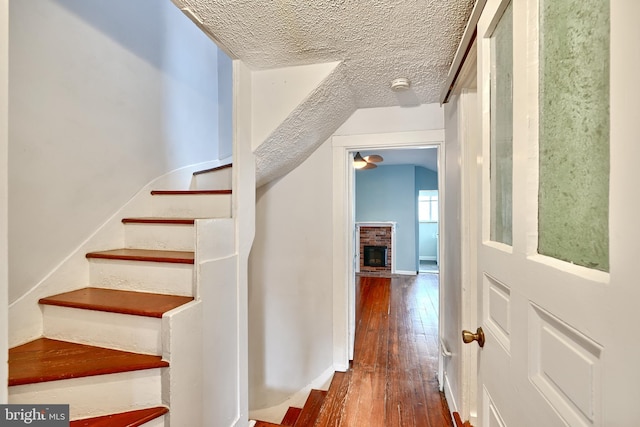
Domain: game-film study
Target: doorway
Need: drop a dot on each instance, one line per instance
(345, 247)
(428, 232)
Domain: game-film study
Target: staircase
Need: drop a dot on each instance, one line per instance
(320, 408)
(109, 350)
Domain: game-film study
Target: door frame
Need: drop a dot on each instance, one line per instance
(4, 205)
(344, 225)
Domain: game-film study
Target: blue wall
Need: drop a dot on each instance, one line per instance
(426, 179)
(390, 193)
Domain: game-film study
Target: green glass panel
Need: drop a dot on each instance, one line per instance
(574, 132)
(502, 129)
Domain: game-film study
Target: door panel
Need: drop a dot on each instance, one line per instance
(492, 415)
(551, 329)
(565, 366)
(497, 309)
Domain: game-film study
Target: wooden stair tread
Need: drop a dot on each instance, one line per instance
(118, 301)
(188, 192)
(149, 255)
(228, 165)
(124, 419)
(266, 424)
(45, 359)
(311, 409)
(334, 400)
(291, 416)
(156, 220)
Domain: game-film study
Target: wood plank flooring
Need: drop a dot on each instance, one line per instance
(393, 378)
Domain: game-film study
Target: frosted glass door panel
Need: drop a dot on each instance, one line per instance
(574, 132)
(502, 129)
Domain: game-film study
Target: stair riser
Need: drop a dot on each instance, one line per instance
(137, 334)
(158, 277)
(167, 237)
(158, 422)
(97, 395)
(218, 180)
(192, 206)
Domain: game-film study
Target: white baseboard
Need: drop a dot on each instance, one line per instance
(428, 258)
(448, 394)
(406, 272)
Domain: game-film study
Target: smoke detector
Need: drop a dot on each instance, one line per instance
(400, 84)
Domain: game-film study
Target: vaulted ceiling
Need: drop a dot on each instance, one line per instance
(376, 40)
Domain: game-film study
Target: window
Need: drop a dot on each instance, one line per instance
(501, 168)
(428, 206)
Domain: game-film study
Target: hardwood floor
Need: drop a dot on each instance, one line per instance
(393, 378)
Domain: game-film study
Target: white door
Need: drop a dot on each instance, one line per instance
(560, 344)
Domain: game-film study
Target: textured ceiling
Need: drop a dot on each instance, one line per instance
(378, 40)
(375, 40)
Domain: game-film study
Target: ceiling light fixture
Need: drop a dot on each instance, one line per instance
(400, 84)
(374, 158)
(359, 162)
(367, 162)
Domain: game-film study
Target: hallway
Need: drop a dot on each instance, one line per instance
(393, 379)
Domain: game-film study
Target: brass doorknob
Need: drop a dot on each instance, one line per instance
(468, 337)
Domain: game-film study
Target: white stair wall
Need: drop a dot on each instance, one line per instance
(177, 337)
(183, 381)
(25, 316)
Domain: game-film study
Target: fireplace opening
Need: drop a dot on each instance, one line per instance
(375, 256)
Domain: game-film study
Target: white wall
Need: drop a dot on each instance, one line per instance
(393, 119)
(290, 87)
(105, 96)
(291, 265)
(4, 202)
(290, 282)
(225, 105)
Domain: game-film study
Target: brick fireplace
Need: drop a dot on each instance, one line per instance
(376, 240)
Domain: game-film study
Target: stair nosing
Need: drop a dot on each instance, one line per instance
(58, 300)
(217, 168)
(145, 255)
(146, 415)
(144, 362)
(159, 220)
(189, 192)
